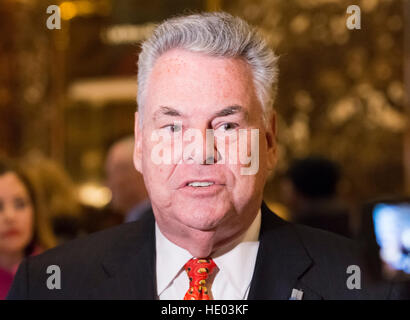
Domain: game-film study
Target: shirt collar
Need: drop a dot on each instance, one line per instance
(237, 265)
(230, 262)
(170, 260)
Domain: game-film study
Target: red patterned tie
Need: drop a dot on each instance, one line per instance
(198, 271)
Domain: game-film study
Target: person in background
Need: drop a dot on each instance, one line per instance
(129, 196)
(310, 192)
(24, 230)
(59, 194)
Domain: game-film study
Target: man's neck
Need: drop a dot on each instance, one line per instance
(206, 243)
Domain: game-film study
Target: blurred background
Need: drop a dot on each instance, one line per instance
(67, 95)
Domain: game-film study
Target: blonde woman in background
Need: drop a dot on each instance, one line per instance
(24, 228)
(59, 194)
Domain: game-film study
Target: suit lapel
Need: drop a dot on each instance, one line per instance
(129, 266)
(281, 260)
(128, 270)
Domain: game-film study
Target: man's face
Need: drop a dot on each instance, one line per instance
(202, 92)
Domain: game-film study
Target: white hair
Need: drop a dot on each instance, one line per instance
(216, 34)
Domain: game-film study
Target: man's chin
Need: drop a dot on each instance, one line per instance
(202, 215)
(204, 226)
(202, 222)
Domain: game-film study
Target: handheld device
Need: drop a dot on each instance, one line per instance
(386, 225)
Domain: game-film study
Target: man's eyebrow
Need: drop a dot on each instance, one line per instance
(166, 111)
(229, 111)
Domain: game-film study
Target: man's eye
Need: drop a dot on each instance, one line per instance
(173, 127)
(228, 126)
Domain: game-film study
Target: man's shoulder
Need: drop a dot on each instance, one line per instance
(342, 262)
(321, 246)
(85, 254)
(315, 241)
(93, 245)
(83, 263)
(326, 262)
(319, 241)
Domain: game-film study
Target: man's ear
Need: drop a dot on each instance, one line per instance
(271, 142)
(138, 144)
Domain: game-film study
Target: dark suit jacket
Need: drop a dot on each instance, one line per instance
(119, 263)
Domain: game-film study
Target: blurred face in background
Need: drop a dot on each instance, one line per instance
(126, 183)
(16, 215)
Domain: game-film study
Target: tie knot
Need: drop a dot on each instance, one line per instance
(198, 271)
(199, 268)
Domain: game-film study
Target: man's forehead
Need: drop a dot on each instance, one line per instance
(186, 79)
(180, 61)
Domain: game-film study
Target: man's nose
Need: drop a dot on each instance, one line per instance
(202, 149)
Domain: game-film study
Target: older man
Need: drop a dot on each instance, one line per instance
(205, 144)
(129, 196)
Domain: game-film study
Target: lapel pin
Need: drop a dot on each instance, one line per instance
(296, 294)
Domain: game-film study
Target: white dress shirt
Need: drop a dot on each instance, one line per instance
(231, 278)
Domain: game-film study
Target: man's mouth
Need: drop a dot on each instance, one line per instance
(200, 184)
(202, 189)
